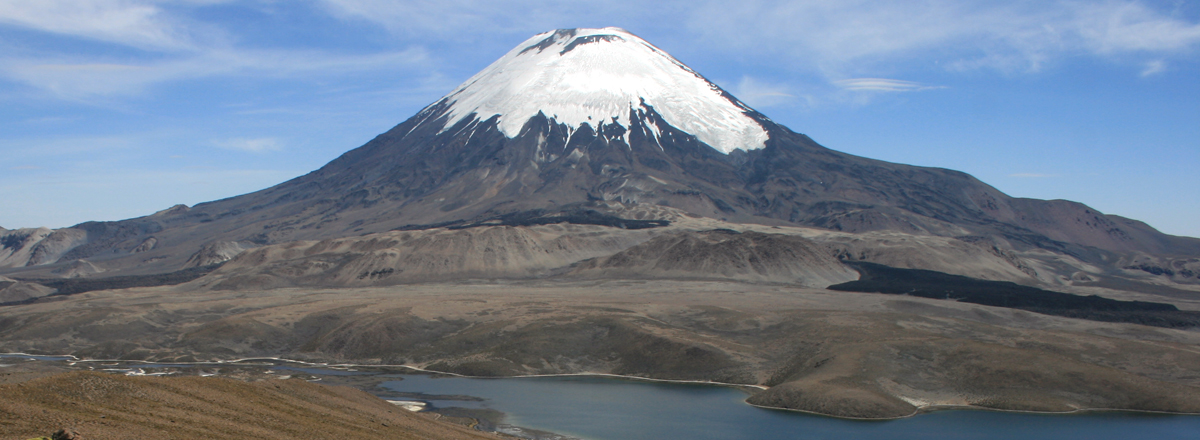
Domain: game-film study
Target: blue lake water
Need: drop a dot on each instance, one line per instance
(32, 357)
(614, 409)
(596, 408)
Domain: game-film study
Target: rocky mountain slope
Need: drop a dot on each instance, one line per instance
(723, 255)
(593, 119)
(502, 252)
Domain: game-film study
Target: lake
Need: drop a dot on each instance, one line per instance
(613, 409)
(601, 408)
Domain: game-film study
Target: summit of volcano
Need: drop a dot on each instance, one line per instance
(602, 77)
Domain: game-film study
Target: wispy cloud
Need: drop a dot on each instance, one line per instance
(173, 46)
(50, 120)
(74, 77)
(1129, 26)
(457, 20)
(841, 37)
(1032, 175)
(256, 145)
(129, 22)
(25, 167)
(760, 94)
(881, 85)
(835, 38)
(438, 17)
(1154, 67)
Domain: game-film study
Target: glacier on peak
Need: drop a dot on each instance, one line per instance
(600, 76)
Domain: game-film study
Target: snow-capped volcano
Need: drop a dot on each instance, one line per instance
(598, 77)
(599, 119)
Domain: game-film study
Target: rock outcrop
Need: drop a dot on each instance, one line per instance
(37, 246)
(724, 254)
(215, 253)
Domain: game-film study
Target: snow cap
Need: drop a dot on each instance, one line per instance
(596, 76)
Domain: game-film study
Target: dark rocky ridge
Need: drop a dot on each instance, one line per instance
(929, 284)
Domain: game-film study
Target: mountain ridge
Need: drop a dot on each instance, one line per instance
(443, 166)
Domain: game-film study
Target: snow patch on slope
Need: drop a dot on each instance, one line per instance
(597, 76)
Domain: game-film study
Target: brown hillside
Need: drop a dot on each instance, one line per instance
(108, 406)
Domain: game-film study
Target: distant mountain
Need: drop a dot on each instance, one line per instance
(594, 120)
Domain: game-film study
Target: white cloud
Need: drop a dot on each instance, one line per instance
(881, 85)
(134, 23)
(420, 16)
(837, 38)
(1114, 27)
(1154, 67)
(1032, 175)
(472, 19)
(828, 35)
(77, 78)
(849, 37)
(174, 46)
(1008, 63)
(759, 94)
(256, 145)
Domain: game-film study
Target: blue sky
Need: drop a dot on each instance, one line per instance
(111, 109)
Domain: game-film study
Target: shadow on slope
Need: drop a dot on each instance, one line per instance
(71, 286)
(538, 217)
(878, 278)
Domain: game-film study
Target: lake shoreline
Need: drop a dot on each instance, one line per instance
(928, 409)
(940, 408)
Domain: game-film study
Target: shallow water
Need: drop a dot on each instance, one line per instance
(32, 357)
(614, 409)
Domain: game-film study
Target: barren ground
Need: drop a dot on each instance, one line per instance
(109, 406)
(839, 353)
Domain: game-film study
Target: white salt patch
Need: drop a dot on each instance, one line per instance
(408, 405)
(919, 403)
